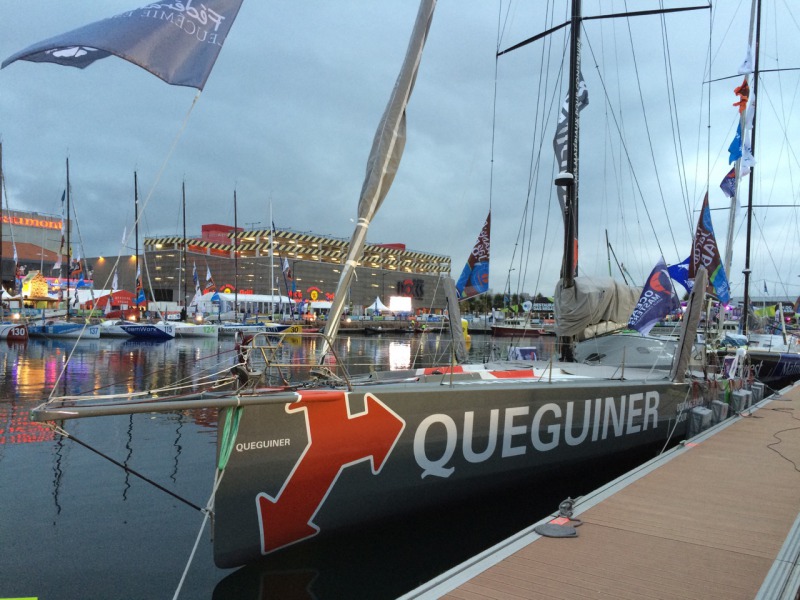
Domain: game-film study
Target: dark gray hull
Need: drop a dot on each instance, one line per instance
(332, 461)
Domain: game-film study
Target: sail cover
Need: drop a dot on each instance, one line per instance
(178, 41)
(384, 158)
(594, 305)
(474, 278)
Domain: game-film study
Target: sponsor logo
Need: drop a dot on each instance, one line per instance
(337, 439)
(522, 432)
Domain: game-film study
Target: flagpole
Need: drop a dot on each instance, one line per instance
(136, 236)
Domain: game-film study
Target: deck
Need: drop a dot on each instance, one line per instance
(718, 518)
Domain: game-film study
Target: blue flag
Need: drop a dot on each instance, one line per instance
(81, 283)
(735, 149)
(680, 274)
(177, 41)
(658, 299)
(728, 185)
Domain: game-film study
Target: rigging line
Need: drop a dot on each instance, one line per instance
(650, 143)
(127, 469)
(679, 153)
(536, 154)
(627, 154)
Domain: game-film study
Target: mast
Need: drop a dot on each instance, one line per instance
(271, 265)
(184, 312)
(738, 165)
(136, 231)
(235, 261)
(569, 179)
(69, 247)
(751, 184)
(2, 191)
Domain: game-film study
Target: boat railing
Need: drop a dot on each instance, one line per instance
(272, 357)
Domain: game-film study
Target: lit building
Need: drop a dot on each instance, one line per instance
(304, 266)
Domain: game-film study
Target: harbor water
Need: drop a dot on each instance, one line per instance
(77, 522)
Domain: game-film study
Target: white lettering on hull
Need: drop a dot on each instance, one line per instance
(604, 418)
(262, 444)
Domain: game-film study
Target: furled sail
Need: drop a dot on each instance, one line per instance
(384, 158)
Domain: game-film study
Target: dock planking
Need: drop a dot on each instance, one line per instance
(717, 518)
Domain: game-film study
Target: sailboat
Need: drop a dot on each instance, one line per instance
(332, 453)
(10, 328)
(65, 327)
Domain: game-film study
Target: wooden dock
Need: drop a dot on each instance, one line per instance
(716, 518)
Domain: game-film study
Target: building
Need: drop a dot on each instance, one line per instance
(36, 238)
(304, 266)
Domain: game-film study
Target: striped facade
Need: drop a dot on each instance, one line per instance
(313, 261)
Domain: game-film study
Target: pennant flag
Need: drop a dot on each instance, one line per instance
(115, 283)
(16, 258)
(680, 274)
(747, 65)
(743, 91)
(75, 268)
(140, 297)
(287, 270)
(735, 149)
(210, 287)
(107, 306)
(57, 265)
(706, 253)
(766, 291)
(474, 279)
(215, 297)
(658, 299)
(194, 277)
(176, 41)
(728, 185)
(81, 283)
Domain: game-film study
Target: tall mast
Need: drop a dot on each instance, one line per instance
(136, 229)
(738, 165)
(69, 247)
(569, 180)
(271, 265)
(235, 260)
(185, 296)
(752, 175)
(2, 191)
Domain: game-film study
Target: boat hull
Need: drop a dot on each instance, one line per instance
(332, 461)
(13, 331)
(65, 331)
(150, 332)
(195, 331)
(511, 331)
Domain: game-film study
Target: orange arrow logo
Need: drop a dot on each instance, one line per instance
(336, 439)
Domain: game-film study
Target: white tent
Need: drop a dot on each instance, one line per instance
(378, 305)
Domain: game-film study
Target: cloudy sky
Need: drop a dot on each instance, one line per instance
(289, 112)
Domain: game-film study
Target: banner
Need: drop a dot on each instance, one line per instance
(176, 41)
(706, 253)
(658, 299)
(474, 279)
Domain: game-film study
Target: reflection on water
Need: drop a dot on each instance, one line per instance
(103, 532)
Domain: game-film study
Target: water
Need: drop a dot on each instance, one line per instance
(74, 525)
